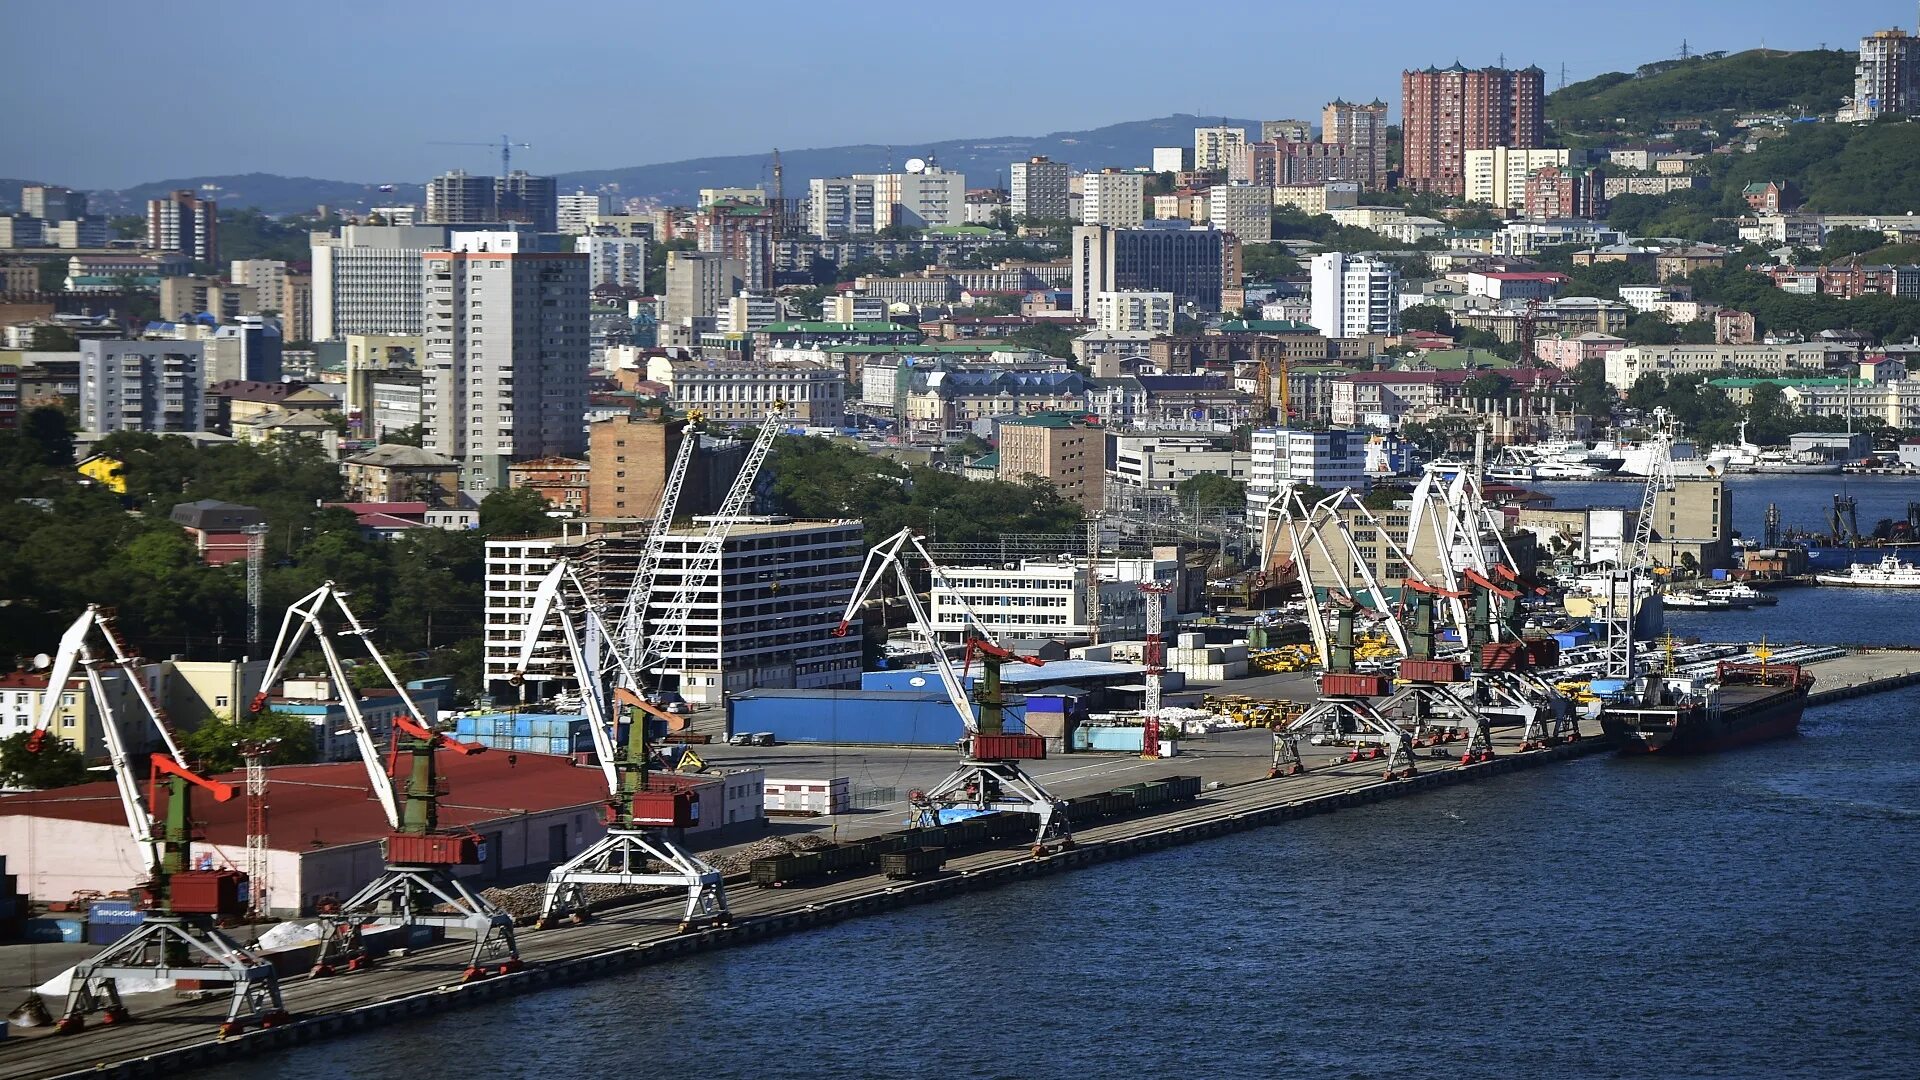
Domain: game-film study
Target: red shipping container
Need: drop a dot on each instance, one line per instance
(207, 892)
(432, 849)
(1543, 652)
(1336, 684)
(1009, 748)
(666, 809)
(1431, 671)
(1502, 656)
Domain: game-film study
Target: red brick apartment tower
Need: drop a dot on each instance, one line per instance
(1446, 112)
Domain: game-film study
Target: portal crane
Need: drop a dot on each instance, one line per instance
(623, 856)
(179, 938)
(417, 887)
(634, 615)
(989, 776)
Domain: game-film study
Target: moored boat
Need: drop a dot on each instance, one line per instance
(1889, 573)
(1740, 704)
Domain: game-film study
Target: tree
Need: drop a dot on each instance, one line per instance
(1592, 394)
(1430, 317)
(514, 512)
(1650, 328)
(1051, 340)
(412, 435)
(1211, 489)
(1488, 386)
(1267, 262)
(214, 746)
(56, 765)
(49, 428)
(969, 447)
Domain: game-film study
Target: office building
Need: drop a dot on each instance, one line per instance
(741, 391)
(1069, 450)
(461, 198)
(296, 307)
(571, 212)
(1193, 264)
(1050, 598)
(1039, 189)
(747, 312)
(52, 203)
(1363, 130)
(1113, 198)
(266, 277)
(505, 357)
(1214, 147)
(929, 198)
(1128, 312)
(528, 199)
(1446, 113)
(1160, 461)
(1245, 210)
(249, 347)
(615, 260)
(185, 223)
(141, 385)
(370, 280)
(1497, 175)
(1286, 457)
(1886, 80)
(1354, 296)
(698, 282)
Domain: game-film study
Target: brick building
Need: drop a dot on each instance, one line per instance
(1446, 112)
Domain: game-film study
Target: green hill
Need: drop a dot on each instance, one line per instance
(1840, 168)
(1758, 80)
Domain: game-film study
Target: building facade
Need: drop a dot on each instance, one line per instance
(1445, 113)
(1065, 449)
(1245, 210)
(1113, 198)
(1283, 458)
(141, 385)
(741, 391)
(1038, 189)
(1497, 175)
(184, 223)
(1886, 80)
(615, 260)
(1193, 264)
(1363, 130)
(1215, 147)
(460, 198)
(370, 279)
(1354, 296)
(1123, 311)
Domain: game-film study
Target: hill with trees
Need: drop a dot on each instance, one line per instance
(1759, 80)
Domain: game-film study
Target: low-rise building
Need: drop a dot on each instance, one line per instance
(1569, 352)
(1049, 598)
(742, 391)
(1628, 364)
(1067, 449)
(562, 481)
(395, 473)
(1160, 461)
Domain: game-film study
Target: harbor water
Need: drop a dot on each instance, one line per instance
(1748, 914)
(1804, 501)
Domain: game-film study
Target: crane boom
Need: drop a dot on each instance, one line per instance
(633, 616)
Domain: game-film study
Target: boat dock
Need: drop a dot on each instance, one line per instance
(1863, 671)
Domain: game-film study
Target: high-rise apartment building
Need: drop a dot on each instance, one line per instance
(266, 277)
(615, 260)
(840, 206)
(185, 223)
(1192, 263)
(1130, 312)
(1284, 131)
(370, 280)
(1497, 175)
(296, 307)
(1039, 189)
(141, 385)
(1214, 147)
(1354, 296)
(532, 200)
(1362, 129)
(461, 198)
(1886, 80)
(572, 211)
(52, 203)
(930, 198)
(1292, 164)
(698, 282)
(249, 347)
(1113, 198)
(506, 354)
(1245, 210)
(742, 231)
(1447, 112)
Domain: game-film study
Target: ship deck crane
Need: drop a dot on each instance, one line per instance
(417, 882)
(989, 776)
(624, 854)
(179, 938)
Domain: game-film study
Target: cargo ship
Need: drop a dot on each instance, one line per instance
(1741, 704)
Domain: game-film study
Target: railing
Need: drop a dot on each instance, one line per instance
(868, 798)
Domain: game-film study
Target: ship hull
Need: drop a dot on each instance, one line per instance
(1776, 717)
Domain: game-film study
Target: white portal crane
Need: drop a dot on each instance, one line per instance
(624, 855)
(417, 883)
(989, 776)
(179, 938)
(633, 614)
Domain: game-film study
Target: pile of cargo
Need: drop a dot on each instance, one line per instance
(1283, 659)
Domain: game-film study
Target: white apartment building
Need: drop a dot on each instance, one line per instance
(614, 260)
(1047, 598)
(141, 385)
(1316, 199)
(1215, 147)
(1122, 311)
(930, 198)
(1626, 365)
(1171, 159)
(748, 312)
(840, 206)
(1895, 403)
(1114, 199)
(741, 391)
(572, 211)
(514, 570)
(698, 283)
(505, 359)
(1161, 462)
(1039, 188)
(1285, 457)
(370, 280)
(1886, 80)
(1353, 296)
(266, 277)
(1245, 210)
(1498, 175)
(852, 308)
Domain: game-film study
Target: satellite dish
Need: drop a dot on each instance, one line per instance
(916, 165)
(41, 661)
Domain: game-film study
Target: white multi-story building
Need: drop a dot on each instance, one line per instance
(1121, 311)
(1047, 598)
(1245, 210)
(1498, 175)
(1114, 199)
(141, 385)
(1625, 366)
(748, 312)
(1215, 147)
(370, 280)
(614, 260)
(1160, 462)
(267, 277)
(930, 198)
(1886, 81)
(1172, 159)
(699, 283)
(1354, 296)
(572, 211)
(840, 206)
(1896, 403)
(1039, 189)
(853, 308)
(504, 370)
(1285, 457)
(741, 391)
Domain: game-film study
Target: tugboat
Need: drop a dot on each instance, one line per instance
(1889, 573)
(1740, 704)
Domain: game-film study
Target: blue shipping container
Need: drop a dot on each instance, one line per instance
(876, 717)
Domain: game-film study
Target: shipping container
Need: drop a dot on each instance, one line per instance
(1338, 684)
(207, 892)
(432, 849)
(1431, 671)
(667, 809)
(110, 920)
(1009, 748)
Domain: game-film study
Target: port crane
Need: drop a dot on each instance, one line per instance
(989, 776)
(417, 886)
(634, 810)
(180, 938)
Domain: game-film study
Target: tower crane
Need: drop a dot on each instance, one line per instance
(989, 776)
(506, 146)
(417, 886)
(179, 938)
(623, 856)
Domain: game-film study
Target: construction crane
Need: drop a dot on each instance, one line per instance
(779, 196)
(989, 776)
(1630, 582)
(417, 886)
(634, 808)
(506, 146)
(180, 938)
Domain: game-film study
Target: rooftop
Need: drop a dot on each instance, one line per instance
(397, 456)
(837, 328)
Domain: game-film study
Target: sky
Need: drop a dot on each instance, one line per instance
(353, 90)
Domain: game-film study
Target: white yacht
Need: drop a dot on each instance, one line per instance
(1888, 573)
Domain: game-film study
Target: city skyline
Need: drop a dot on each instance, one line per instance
(345, 86)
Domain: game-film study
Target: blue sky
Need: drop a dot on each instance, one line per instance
(122, 91)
